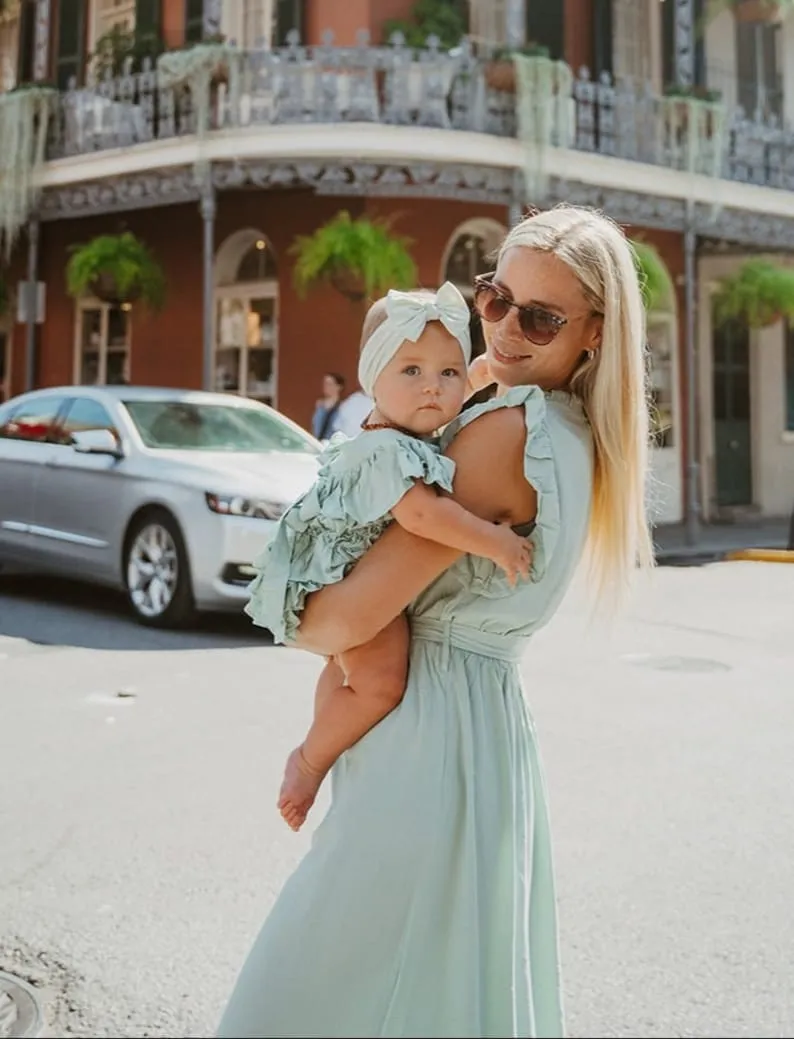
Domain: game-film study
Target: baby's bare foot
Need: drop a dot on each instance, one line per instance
(298, 789)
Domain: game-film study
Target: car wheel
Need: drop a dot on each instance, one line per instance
(157, 572)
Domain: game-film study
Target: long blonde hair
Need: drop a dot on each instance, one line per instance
(612, 385)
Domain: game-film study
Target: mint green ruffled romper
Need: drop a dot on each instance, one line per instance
(425, 907)
(329, 528)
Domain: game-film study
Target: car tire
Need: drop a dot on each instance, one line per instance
(157, 571)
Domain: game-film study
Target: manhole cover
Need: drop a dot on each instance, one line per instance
(690, 665)
(20, 1013)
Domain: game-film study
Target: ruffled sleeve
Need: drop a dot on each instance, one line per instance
(361, 480)
(540, 472)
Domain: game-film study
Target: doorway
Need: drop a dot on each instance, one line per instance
(246, 318)
(732, 431)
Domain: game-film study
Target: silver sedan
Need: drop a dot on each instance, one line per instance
(168, 494)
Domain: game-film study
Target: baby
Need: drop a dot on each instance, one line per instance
(414, 357)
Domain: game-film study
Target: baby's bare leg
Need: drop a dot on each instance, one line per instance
(376, 674)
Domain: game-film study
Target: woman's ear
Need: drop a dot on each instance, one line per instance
(596, 333)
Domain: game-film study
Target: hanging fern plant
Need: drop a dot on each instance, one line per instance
(117, 269)
(759, 293)
(658, 291)
(360, 258)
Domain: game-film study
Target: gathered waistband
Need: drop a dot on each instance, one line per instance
(462, 636)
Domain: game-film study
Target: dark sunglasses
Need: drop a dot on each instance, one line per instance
(537, 324)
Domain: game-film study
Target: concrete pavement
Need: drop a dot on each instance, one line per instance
(140, 847)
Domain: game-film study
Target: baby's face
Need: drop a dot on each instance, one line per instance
(423, 386)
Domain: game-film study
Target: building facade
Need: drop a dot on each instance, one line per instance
(323, 113)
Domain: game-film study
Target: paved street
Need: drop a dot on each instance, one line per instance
(141, 849)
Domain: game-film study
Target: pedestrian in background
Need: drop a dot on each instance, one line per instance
(326, 410)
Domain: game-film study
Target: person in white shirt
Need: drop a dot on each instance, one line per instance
(352, 412)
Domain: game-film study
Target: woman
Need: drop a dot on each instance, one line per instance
(326, 409)
(426, 904)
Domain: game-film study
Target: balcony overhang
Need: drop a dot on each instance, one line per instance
(408, 147)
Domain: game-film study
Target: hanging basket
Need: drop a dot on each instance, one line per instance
(348, 284)
(104, 287)
(757, 11)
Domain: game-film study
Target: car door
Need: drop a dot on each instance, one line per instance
(78, 501)
(25, 428)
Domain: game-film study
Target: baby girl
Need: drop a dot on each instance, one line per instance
(414, 357)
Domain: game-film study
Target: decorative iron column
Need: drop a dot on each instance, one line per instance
(683, 41)
(212, 17)
(30, 303)
(41, 45)
(208, 211)
(516, 22)
(692, 488)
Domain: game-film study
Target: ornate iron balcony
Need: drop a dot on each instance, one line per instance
(397, 86)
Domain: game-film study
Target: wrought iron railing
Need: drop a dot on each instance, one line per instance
(395, 85)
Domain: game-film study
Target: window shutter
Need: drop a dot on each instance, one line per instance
(27, 41)
(289, 16)
(147, 17)
(194, 21)
(545, 26)
(602, 37)
(70, 54)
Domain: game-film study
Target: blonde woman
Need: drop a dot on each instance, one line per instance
(426, 904)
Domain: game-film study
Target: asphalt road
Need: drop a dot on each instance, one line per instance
(140, 847)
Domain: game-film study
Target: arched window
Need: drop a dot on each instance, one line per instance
(470, 252)
(246, 308)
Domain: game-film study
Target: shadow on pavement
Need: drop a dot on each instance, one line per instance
(57, 612)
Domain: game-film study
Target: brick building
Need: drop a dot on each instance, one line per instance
(355, 122)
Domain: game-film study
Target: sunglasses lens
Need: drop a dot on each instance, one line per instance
(537, 325)
(490, 305)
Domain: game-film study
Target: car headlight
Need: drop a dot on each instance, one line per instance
(237, 505)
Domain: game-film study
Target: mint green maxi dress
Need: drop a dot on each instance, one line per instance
(425, 906)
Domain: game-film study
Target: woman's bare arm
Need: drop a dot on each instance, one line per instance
(489, 482)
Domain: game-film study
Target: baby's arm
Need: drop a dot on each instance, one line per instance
(423, 512)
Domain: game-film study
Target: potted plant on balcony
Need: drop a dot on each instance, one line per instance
(116, 269)
(359, 258)
(500, 70)
(658, 291)
(120, 50)
(760, 293)
(444, 19)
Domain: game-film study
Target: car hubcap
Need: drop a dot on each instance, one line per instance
(152, 570)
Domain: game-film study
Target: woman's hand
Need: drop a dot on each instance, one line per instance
(489, 482)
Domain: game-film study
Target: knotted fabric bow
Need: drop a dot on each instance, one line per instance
(407, 315)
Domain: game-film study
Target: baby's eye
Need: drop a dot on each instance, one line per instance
(412, 369)
(451, 373)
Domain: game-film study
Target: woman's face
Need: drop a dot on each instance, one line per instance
(539, 279)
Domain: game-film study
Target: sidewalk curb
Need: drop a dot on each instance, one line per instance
(761, 555)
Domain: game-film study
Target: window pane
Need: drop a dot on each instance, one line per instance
(84, 415)
(90, 346)
(662, 384)
(258, 264)
(32, 420)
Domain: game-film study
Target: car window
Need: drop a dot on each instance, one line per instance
(188, 426)
(32, 420)
(82, 415)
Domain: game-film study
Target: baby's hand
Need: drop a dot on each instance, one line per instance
(479, 375)
(512, 553)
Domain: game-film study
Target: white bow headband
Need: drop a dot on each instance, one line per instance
(406, 318)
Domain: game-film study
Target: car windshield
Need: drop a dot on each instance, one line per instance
(191, 426)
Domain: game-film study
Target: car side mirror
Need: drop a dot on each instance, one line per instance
(96, 442)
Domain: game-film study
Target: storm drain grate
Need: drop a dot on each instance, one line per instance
(20, 1012)
(689, 665)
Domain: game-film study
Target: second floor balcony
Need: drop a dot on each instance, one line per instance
(404, 105)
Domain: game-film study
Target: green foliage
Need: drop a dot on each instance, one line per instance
(358, 257)
(114, 48)
(658, 291)
(445, 19)
(694, 91)
(124, 260)
(759, 294)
